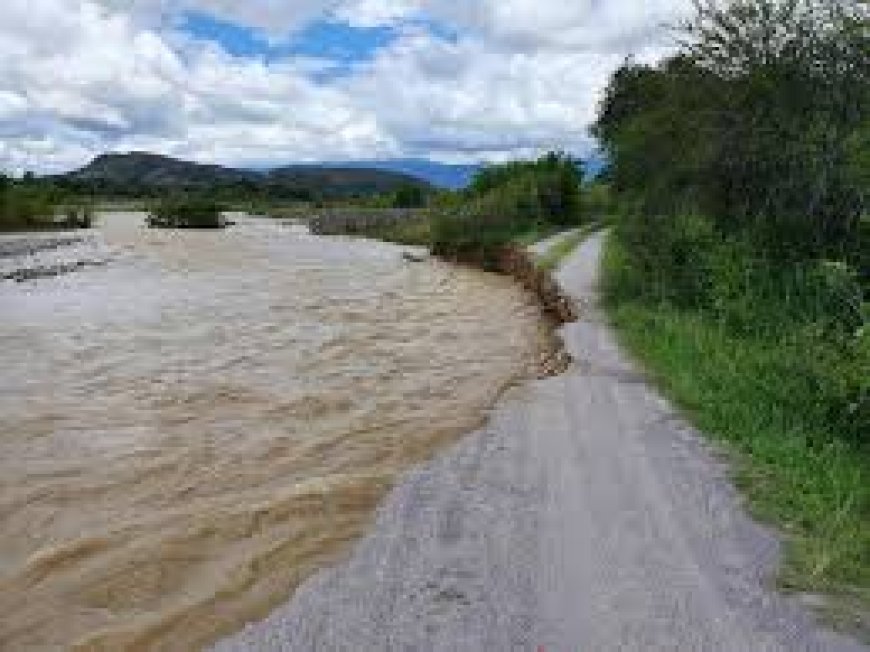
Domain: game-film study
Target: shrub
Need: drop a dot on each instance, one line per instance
(668, 258)
(597, 201)
(37, 205)
(505, 202)
(409, 196)
(186, 213)
(761, 121)
(546, 190)
(810, 316)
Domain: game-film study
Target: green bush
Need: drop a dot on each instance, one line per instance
(472, 235)
(186, 213)
(505, 202)
(35, 205)
(761, 122)
(545, 190)
(409, 196)
(669, 258)
(813, 312)
(597, 201)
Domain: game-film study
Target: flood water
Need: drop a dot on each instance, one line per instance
(195, 424)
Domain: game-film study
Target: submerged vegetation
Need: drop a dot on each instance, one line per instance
(186, 213)
(739, 264)
(31, 205)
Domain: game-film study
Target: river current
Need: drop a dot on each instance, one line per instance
(194, 422)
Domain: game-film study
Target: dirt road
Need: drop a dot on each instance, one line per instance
(586, 516)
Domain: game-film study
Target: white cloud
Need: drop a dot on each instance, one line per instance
(274, 17)
(372, 13)
(77, 82)
(590, 25)
(78, 77)
(459, 99)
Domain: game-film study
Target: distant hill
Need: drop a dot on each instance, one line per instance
(344, 180)
(456, 176)
(144, 169)
(441, 175)
(138, 173)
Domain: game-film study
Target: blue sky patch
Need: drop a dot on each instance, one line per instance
(235, 39)
(338, 42)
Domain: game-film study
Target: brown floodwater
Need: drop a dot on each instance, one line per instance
(192, 427)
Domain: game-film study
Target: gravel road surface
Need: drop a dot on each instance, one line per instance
(587, 515)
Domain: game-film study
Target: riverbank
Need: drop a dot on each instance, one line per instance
(586, 513)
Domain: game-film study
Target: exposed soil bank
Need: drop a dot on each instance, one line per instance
(585, 515)
(557, 307)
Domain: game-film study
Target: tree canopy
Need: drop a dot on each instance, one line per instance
(760, 121)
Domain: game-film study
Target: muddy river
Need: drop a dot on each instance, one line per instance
(191, 423)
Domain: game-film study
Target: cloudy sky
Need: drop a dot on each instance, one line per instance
(265, 82)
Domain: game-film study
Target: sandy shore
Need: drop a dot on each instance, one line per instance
(586, 516)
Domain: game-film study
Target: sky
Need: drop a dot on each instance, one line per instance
(259, 83)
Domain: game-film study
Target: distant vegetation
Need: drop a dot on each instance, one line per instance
(506, 202)
(408, 196)
(181, 212)
(506, 206)
(739, 266)
(158, 183)
(31, 205)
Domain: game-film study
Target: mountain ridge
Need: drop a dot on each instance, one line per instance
(130, 171)
(160, 172)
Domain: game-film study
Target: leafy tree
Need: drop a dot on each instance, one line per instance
(505, 202)
(756, 122)
(546, 190)
(409, 196)
(179, 212)
(743, 166)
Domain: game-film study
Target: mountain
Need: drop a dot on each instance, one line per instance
(441, 175)
(138, 173)
(344, 180)
(153, 170)
(455, 177)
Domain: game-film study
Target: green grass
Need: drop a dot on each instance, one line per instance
(735, 389)
(565, 247)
